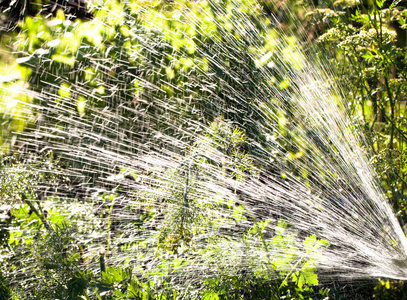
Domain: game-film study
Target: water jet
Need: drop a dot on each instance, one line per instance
(189, 142)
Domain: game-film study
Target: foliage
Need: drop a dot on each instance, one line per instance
(102, 65)
(52, 263)
(367, 42)
(370, 59)
(389, 289)
(5, 290)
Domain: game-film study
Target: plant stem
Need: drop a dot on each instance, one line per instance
(35, 210)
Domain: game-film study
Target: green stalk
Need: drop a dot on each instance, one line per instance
(291, 272)
(102, 263)
(36, 211)
(109, 222)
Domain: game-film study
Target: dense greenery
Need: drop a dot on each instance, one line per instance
(369, 44)
(92, 66)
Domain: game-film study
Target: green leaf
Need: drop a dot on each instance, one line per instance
(81, 105)
(322, 243)
(281, 226)
(380, 3)
(395, 3)
(310, 278)
(210, 295)
(238, 213)
(64, 91)
(301, 281)
(68, 60)
(309, 243)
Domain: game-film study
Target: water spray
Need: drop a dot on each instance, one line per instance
(131, 100)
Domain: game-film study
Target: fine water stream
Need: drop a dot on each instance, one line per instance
(202, 132)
